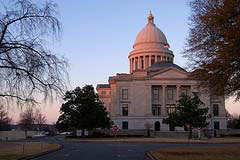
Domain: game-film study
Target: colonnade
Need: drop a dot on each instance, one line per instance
(143, 62)
(178, 94)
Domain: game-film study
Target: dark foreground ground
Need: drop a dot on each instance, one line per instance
(104, 150)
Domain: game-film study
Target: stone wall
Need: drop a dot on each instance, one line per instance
(169, 134)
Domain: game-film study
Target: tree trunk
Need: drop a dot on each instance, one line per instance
(190, 133)
(83, 133)
(26, 133)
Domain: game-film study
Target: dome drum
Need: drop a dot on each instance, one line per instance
(150, 47)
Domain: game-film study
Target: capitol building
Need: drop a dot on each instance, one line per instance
(149, 92)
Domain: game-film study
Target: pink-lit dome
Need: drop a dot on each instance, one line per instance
(150, 36)
(150, 47)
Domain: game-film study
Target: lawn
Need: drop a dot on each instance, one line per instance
(159, 140)
(198, 153)
(14, 151)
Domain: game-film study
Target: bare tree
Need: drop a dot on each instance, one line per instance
(4, 119)
(27, 119)
(40, 119)
(27, 67)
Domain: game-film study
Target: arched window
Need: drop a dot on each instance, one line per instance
(157, 126)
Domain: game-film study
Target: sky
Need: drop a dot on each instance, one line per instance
(99, 34)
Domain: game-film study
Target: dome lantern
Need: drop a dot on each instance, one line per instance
(150, 18)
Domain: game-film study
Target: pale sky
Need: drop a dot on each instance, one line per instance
(98, 36)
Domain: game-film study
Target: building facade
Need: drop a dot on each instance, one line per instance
(143, 97)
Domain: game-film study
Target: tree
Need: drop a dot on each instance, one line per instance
(189, 112)
(213, 45)
(27, 119)
(82, 110)
(233, 121)
(40, 119)
(4, 119)
(27, 66)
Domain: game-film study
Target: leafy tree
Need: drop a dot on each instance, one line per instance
(27, 119)
(4, 119)
(27, 66)
(213, 45)
(82, 110)
(189, 111)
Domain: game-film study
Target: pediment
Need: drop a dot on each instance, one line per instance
(170, 73)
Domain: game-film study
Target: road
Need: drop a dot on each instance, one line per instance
(102, 150)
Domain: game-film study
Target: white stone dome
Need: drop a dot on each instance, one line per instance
(150, 47)
(150, 36)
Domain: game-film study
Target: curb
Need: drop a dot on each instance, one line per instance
(213, 143)
(42, 153)
(149, 156)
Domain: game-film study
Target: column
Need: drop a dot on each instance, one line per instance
(145, 62)
(149, 61)
(130, 64)
(148, 108)
(136, 63)
(177, 92)
(118, 104)
(163, 107)
(139, 63)
(155, 57)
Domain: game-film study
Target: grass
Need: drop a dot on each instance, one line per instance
(198, 153)
(14, 151)
(158, 140)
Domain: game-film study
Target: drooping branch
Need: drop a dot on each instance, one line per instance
(27, 67)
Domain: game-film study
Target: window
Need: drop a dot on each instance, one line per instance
(142, 64)
(124, 125)
(170, 108)
(156, 110)
(155, 94)
(215, 97)
(103, 93)
(124, 109)
(170, 94)
(215, 110)
(184, 92)
(125, 94)
(216, 125)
